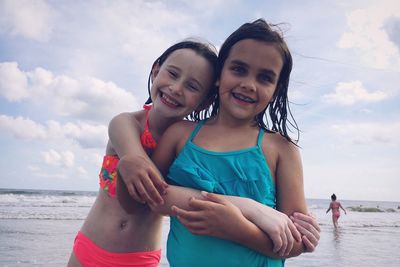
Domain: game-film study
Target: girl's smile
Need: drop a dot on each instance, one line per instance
(168, 100)
(181, 84)
(249, 78)
(242, 99)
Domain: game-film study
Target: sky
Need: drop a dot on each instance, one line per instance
(68, 67)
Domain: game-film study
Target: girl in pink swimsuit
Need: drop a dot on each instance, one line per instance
(334, 206)
(115, 234)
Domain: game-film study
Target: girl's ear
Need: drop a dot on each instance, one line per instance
(154, 71)
(217, 83)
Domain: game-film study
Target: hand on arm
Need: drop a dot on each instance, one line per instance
(290, 197)
(276, 225)
(139, 174)
(256, 226)
(142, 179)
(308, 227)
(215, 215)
(209, 214)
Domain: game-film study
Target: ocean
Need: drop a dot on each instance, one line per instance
(37, 228)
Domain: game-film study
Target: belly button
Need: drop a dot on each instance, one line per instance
(123, 224)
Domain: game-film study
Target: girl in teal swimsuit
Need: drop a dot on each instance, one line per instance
(236, 153)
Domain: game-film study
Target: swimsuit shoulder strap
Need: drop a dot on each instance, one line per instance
(146, 138)
(260, 137)
(196, 129)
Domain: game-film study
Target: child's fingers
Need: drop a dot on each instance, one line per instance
(200, 204)
(152, 192)
(277, 241)
(309, 245)
(158, 182)
(290, 241)
(303, 217)
(284, 244)
(143, 194)
(133, 193)
(214, 197)
(307, 218)
(192, 225)
(294, 231)
(312, 237)
(307, 228)
(187, 215)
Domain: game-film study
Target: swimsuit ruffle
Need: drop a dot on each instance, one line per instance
(189, 175)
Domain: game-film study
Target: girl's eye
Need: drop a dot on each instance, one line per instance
(265, 78)
(238, 69)
(172, 74)
(192, 86)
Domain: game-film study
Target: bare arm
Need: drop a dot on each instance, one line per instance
(181, 201)
(340, 205)
(289, 184)
(329, 208)
(124, 135)
(124, 132)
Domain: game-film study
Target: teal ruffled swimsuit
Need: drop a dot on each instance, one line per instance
(242, 173)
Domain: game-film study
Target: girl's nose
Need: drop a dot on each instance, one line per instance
(248, 84)
(176, 88)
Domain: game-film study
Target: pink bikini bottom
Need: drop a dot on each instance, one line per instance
(89, 254)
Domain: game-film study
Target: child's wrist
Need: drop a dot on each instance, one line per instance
(248, 210)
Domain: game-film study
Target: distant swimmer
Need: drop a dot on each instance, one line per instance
(334, 206)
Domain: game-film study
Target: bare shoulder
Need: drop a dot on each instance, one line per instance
(128, 118)
(179, 132)
(182, 127)
(279, 145)
(124, 130)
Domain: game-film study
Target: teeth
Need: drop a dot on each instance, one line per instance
(243, 98)
(169, 100)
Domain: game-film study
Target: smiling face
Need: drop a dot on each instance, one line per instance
(249, 78)
(181, 83)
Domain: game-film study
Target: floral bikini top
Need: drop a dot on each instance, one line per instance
(109, 173)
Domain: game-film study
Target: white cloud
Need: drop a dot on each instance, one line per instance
(146, 27)
(26, 18)
(13, 82)
(368, 133)
(22, 128)
(87, 98)
(87, 135)
(366, 33)
(63, 158)
(353, 92)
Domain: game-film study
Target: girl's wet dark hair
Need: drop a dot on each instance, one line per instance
(278, 108)
(333, 197)
(203, 49)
